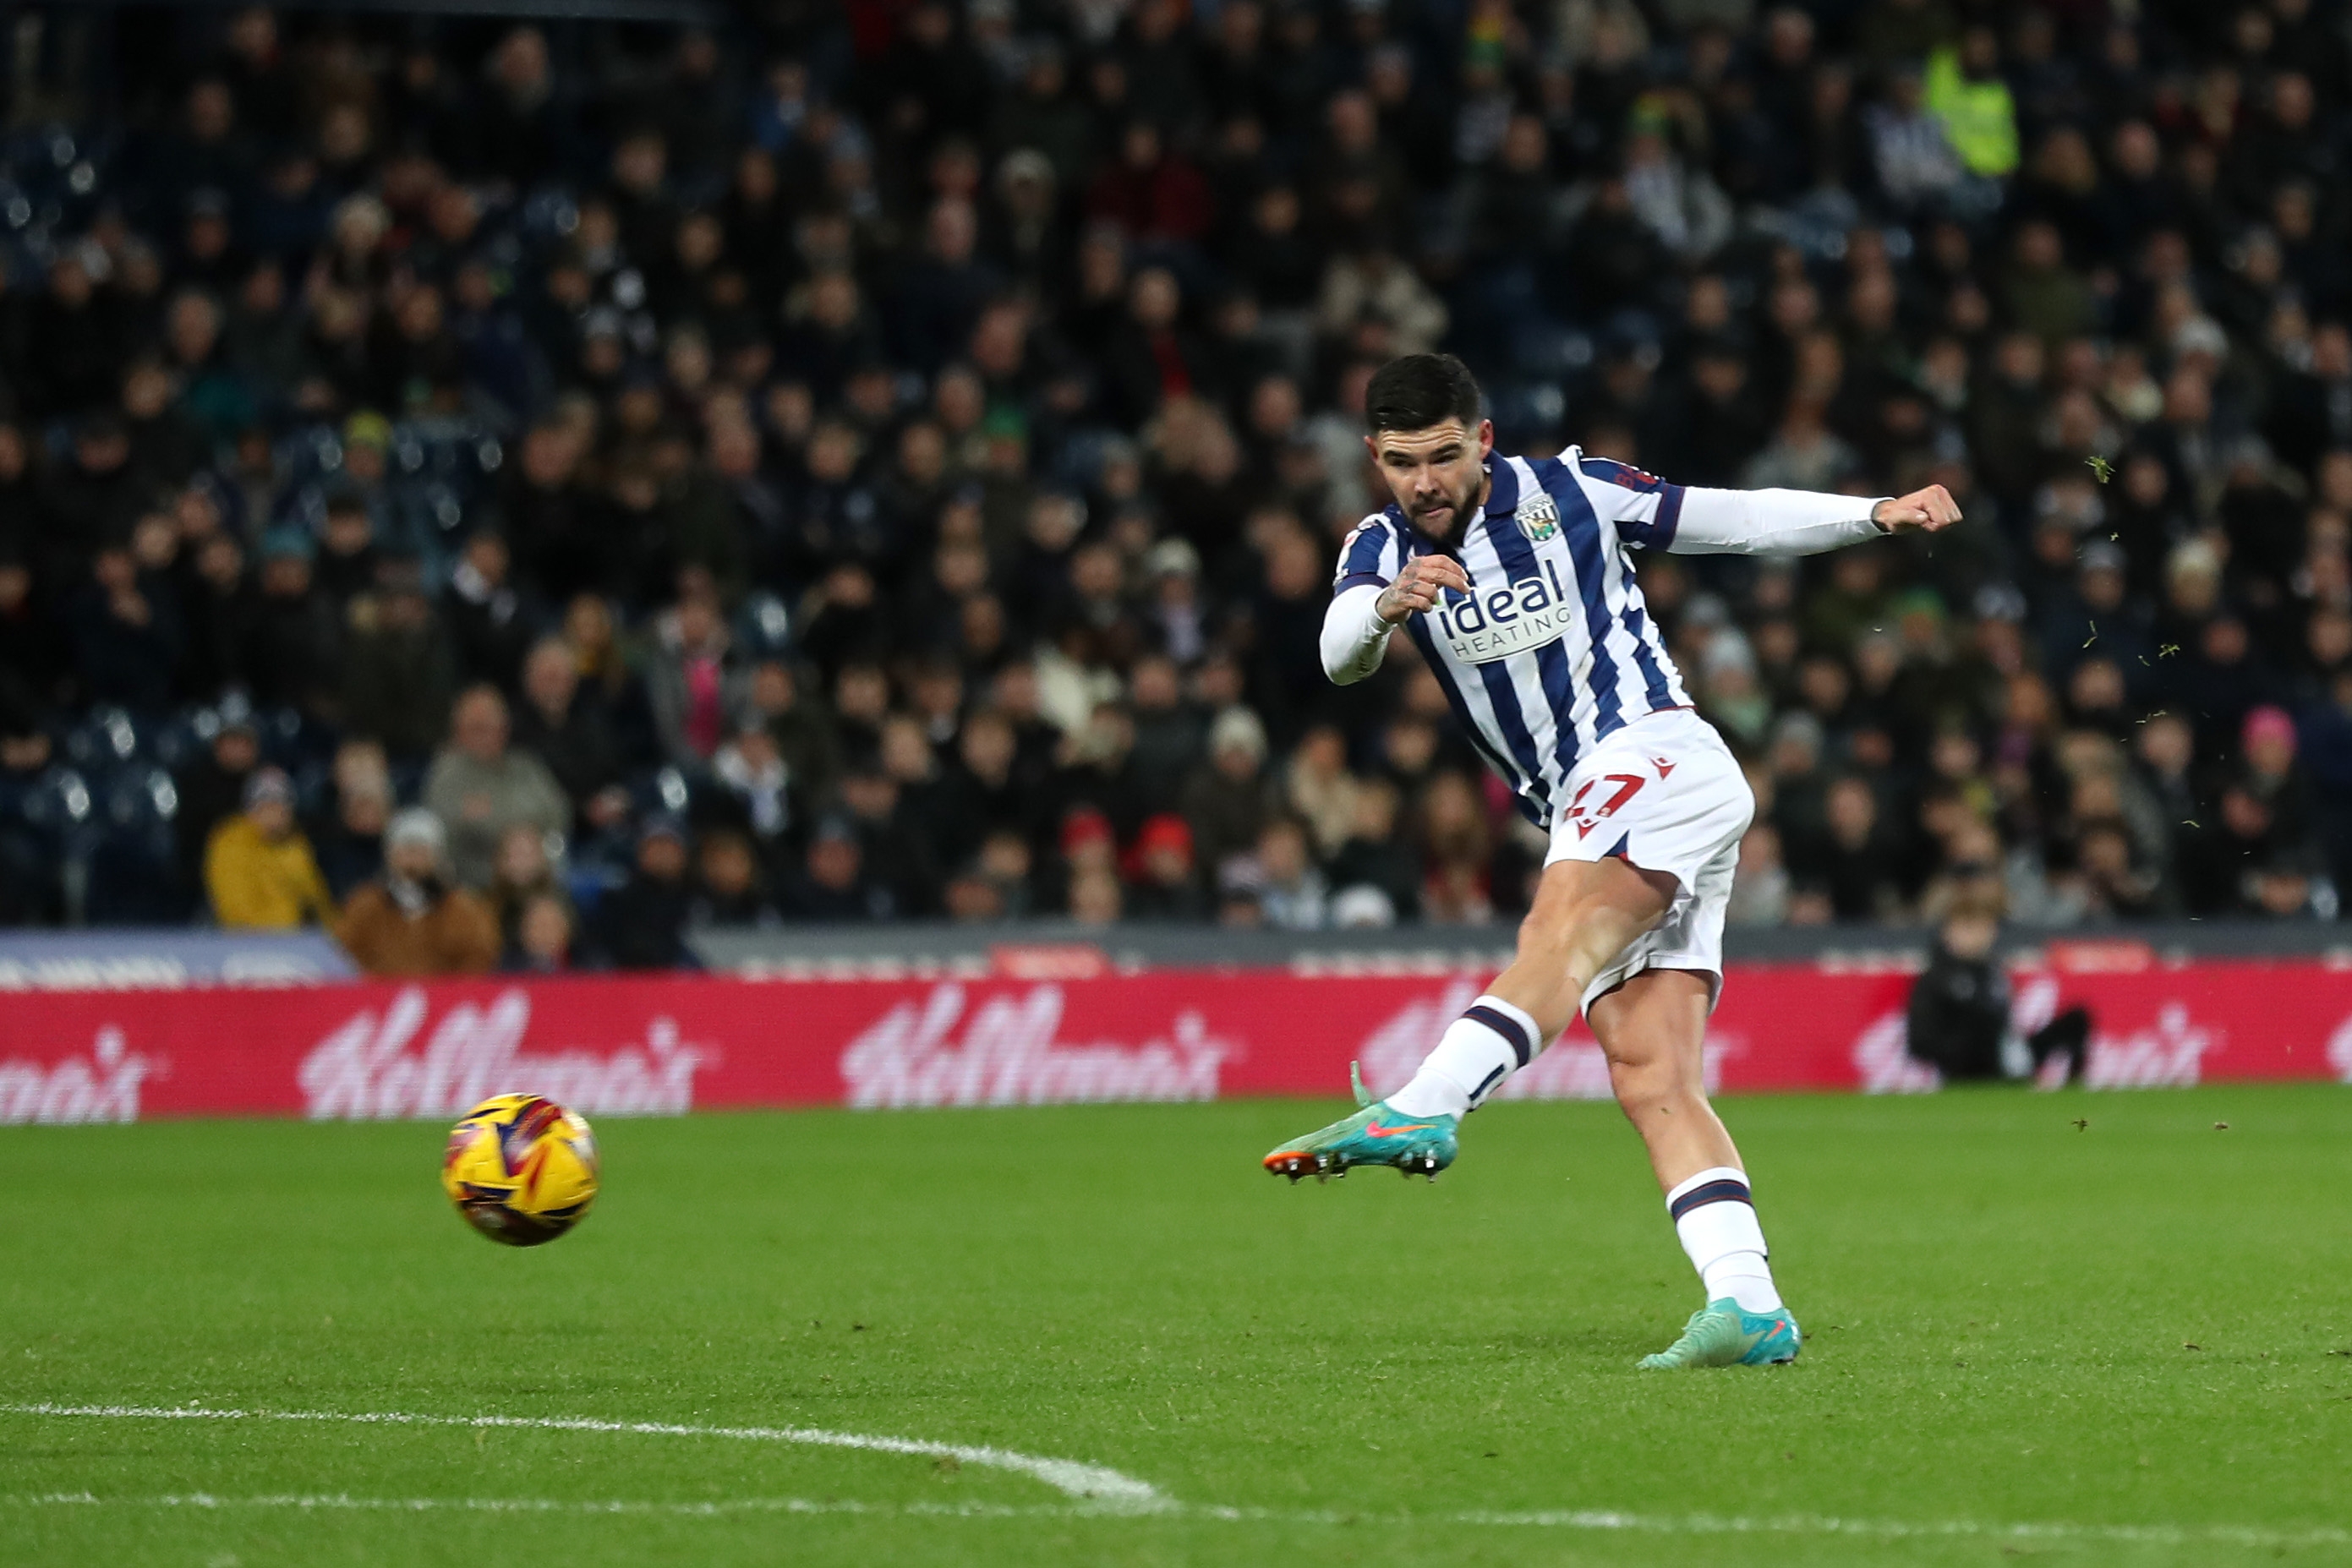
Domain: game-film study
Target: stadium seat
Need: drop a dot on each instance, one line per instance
(105, 740)
(35, 815)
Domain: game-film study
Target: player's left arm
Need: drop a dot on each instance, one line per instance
(1651, 514)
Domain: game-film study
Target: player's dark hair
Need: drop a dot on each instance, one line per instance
(1419, 391)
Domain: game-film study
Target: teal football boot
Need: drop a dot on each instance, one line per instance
(1375, 1135)
(1721, 1334)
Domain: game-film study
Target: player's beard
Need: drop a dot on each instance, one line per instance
(1451, 511)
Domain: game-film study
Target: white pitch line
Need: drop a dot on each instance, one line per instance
(1106, 1488)
(1101, 1490)
(1596, 1519)
(331, 1502)
(1895, 1528)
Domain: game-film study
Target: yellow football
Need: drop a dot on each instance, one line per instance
(520, 1169)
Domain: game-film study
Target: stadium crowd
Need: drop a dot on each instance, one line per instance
(524, 495)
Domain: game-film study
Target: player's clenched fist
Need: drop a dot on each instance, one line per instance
(1931, 509)
(1418, 585)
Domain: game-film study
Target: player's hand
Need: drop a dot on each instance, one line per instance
(1424, 577)
(1928, 511)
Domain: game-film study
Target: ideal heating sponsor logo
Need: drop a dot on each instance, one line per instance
(101, 1087)
(364, 1071)
(1490, 624)
(1009, 1052)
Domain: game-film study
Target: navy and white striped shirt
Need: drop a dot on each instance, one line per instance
(1552, 648)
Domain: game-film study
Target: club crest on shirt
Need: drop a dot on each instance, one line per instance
(1539, 517)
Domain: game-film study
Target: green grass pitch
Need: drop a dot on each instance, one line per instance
(2132, 1337)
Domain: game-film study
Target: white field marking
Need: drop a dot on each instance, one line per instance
(1563, 1518)
(1106, 1488)
(332, 1503)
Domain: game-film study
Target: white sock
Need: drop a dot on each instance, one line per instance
(1480, 1048)
(1716, 1218)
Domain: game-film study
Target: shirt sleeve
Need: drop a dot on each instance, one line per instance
(1371, 554)
(1355, 638)
(1771, 522)
(1645, 510)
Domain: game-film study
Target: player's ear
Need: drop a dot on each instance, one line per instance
(1485, 437)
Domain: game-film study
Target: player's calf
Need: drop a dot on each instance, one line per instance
(1585, 915)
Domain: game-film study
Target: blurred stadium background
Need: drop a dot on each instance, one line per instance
(841, 495)
(785, 467)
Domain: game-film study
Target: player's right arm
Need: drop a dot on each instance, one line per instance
(1377, 587)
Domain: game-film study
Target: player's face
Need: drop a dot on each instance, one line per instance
(1437, 475)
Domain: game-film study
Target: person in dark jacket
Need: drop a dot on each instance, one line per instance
(642, 923)
(127, 635)
(1960, 1010)
(211, 789)
(835, 884)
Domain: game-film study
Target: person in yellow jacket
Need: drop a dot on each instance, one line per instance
(1964, 90)
(259, 868)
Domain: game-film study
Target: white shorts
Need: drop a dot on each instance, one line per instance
(1665, 794)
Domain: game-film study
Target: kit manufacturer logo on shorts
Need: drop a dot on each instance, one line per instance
(1539, 517)
(1491, 623)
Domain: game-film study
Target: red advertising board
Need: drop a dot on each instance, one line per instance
(663, 1045)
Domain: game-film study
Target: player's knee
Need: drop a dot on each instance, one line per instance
(1554, 929)
(1649, 1086)
(1544, 929)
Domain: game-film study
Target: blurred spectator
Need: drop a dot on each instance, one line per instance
(1857, 861)
(832, 883)
(568, 732)
(128, 640)
(1458, 853)
(542, 940)
(487, 615)
(1760, 890)
(981, 794)
(1290, 890)
(1320, 789)
(1088, 848)
(211, 789)
(729, 889)
(896, 852)
(1372, 857)
(995, 885)
(1165, 885)
(806, 741)
(1097, 897)
(2327, 731)
(640, 924)
(415, 920)
(523, 872)
(258, 871)
(755, 778)
(398, 671)
(1225, 802)
(350, 841)
(294, 648)
(943, 375)
(692, 680)
(482, 787)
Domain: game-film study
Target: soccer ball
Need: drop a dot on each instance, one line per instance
(520, 1169)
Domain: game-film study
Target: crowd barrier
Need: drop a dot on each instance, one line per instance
(100, 958)
(1035, 1029)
